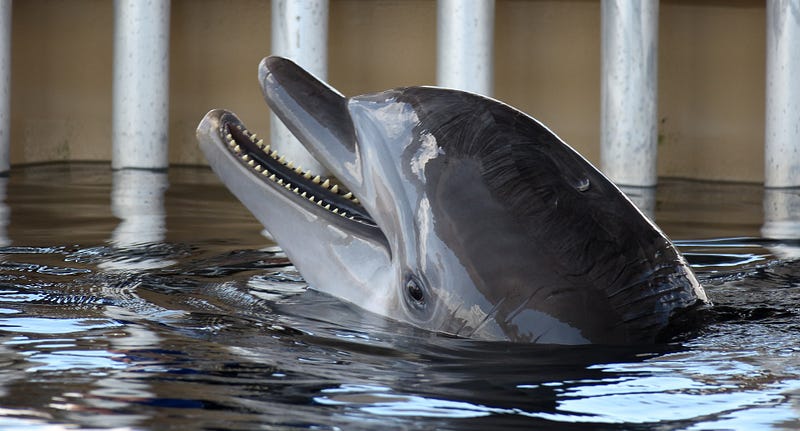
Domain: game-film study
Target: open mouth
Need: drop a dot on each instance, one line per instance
(271, 167)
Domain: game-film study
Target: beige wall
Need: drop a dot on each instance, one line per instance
(547, 63)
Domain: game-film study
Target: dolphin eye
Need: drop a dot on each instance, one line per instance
(415, 292)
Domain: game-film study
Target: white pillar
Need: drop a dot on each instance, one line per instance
(629, 123)
(464, 42)
(140, 106)
(299, 33)
(5, 85)
(782, 128)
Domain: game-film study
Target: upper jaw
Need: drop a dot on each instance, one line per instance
(320, 117)
(330, 127)
(316, 114)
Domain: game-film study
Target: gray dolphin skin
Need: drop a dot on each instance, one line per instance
(452, 212)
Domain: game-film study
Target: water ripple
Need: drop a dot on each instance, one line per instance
(210, 327)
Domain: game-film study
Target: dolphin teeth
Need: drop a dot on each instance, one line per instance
(308, 175)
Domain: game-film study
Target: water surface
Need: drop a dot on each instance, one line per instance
(139, 300)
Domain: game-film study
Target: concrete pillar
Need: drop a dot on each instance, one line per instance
(782, 134)
(629, 123)
(5, 85)
(140, 106)
(464, 43)
(299, 33)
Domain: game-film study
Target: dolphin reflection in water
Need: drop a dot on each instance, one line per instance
(452, 212)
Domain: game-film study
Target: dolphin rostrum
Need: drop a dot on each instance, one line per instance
(453, 212)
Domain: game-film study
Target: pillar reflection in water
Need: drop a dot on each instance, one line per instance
(137, 199)
(782, 220)
(643, 197)
(113, 398)
(5, 213)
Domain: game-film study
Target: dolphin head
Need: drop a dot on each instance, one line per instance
(453, 212)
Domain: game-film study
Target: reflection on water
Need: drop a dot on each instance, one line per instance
(4, 213)
(166, 308)
(137, 199)
(782, 220)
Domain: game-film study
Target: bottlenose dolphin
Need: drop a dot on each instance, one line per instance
(453, 212)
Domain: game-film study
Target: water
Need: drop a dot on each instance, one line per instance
(147, 301)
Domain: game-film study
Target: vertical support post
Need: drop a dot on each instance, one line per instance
(5, 85)
(464, 44)
(782, 128)
(140, 105)
(299, 33)
(629, 91)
